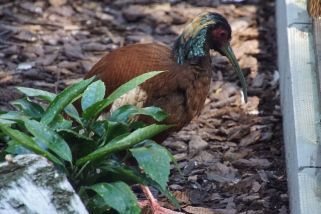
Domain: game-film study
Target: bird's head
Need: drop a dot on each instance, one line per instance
(207, 31)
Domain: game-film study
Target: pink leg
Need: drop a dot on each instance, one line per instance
(152, 202)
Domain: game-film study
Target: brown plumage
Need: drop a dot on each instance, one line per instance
(182, 90)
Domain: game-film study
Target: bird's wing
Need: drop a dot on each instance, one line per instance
(123, 64)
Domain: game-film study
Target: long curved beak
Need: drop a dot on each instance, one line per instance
(227, 51)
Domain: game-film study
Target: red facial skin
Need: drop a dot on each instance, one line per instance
(221, 36)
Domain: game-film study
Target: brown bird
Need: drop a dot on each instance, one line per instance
(182, 90)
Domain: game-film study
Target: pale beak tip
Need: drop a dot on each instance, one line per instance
(244, 97)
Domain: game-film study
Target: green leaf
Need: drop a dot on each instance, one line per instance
(31, 92)
(154, 160)
(118, 196)
(114, 129)
(132, 175)
(79, 144)
(31, 109)
(118, 138)
(16, 149)
(125, 143)
(14, 116)
(64, 99)
(97, 205)
(73, 113)
(75, 135)
(98, 128)
(137, 125)
(95, 110)
(123, 113)
(61, 123)
(94, 92)
(48, 96)
(124, 173)
(174, 161)
(7, 122)
(51, 139)
(29, 143)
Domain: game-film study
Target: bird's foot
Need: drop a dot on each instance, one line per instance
(156, 208)
(153, 203)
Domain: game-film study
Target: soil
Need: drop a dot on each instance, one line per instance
(232, 155)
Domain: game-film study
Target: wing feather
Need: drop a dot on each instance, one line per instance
(123, 64)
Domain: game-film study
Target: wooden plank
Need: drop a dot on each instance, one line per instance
(317, 45)
(300, 106)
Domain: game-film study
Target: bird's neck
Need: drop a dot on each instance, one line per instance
(189, 46)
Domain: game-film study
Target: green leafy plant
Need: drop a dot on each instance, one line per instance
(101, 157)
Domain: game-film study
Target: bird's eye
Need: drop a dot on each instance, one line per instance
(223, 35)
(220, 34)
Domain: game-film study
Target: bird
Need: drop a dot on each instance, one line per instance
(182, 89)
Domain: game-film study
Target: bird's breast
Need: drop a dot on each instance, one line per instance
(136, 97)
(181, 94)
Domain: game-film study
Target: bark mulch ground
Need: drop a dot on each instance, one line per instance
(231, 156)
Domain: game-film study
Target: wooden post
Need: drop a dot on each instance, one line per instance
(317, 44)
(300, 105)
